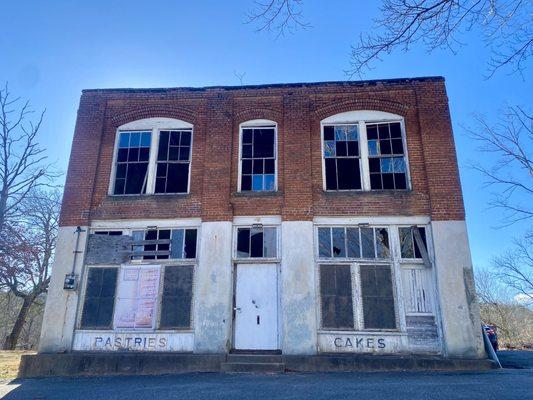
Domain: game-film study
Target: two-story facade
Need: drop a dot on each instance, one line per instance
(300, 218)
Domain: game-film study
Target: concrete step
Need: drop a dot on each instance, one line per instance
(277, 368)
(255, 358)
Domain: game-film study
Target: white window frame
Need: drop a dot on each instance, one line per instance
(258, 123)
(153, 125)
(361, 118)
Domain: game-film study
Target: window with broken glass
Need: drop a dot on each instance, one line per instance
(342, 161)
(408, 245)
(258, 159)
(257, 242)
(132, 160)
(353, 242)
(164, 244)
(386, 156)
(173, 161)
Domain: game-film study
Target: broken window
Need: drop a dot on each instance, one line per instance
(353, 242)
(177, 297)
(133, 154)
(341, 157)
(409, 246)
(377, 296)
(336, 297)
(163, 244)
(173, 161)
(258, 159)
(99, 298)
(257, 242)
(386, 156)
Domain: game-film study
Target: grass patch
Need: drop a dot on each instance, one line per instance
(9, 363)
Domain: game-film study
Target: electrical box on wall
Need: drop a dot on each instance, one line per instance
(71, 282)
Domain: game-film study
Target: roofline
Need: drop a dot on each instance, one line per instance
(277, 85)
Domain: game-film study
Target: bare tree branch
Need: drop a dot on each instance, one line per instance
(280, 16)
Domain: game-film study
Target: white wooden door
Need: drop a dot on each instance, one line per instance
(256, 307)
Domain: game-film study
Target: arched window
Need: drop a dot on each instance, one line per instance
(364, 150)
(152, 155)
(258, 156)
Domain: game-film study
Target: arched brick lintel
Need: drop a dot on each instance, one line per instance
(258, 113)
(143, 112)
(361, 104)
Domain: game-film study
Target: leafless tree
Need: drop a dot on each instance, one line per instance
(26, 266)
(507, 26)
(511, 141)
(278, 15)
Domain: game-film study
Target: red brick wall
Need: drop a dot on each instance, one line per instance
(216, 114)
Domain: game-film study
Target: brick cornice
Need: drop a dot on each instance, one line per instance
(374, 104)
(155, 111)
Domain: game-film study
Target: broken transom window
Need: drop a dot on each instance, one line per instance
(257, 242)
(386, 156)
(164, 244)
(409, 246)
(133, 155)
(353, 242)
(341, 157)
(173, 161)
(258, 159)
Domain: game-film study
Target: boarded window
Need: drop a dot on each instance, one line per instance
(164, 244)
(408, 244)
(336, 297)
(353, 242)
(258, 159)
(177, 297)
(173, 161)
(99, 298)
(378, 298)
(257, 242)
(341, 157)
(386, 156)
(133, 154)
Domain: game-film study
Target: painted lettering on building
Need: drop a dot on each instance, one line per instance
(142, 343)
(359, 343)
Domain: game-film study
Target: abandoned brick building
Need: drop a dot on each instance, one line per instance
(300, 218)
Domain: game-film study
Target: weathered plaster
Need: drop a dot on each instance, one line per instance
(214, 289)
(298, 296)
(60, 310)
(459, 310)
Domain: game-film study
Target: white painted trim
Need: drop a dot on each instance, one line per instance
(354, 116)
(374, 220)
(265, 220)
(153, 125)
(251, 124)
(143, 223)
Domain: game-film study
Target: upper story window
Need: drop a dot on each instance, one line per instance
(152, 155)
(257, 156)
(364, 150)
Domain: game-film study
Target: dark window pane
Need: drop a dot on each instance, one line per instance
(331, 174)
(378, 298)
(190, 243)
(150, 235)
(258, 166)
(336, 296)
(388, 181)
(385, 146)
(352, 237)
(144, 153)
(397, 146)
(133, 154)
(341, 149)
(372, 132)
(174, 138)
(422, 232)
(122, 155)
(160, 185)
(177, 297)
(119, 186)
(263, 143)
(400, 181)
(374, 164)
(246, 182)
(348, 173)
(243, 243)
(178, 177)
(247, 151)
(270, 166)
(246, 166)
(329, 133)
(353, 149)
(163, 146)
(324, 242)
(164, 234)
(185, 138)
(339, 245)
(173, 153)
(383, 131)
(367, 242)
(375, 180)
(136, 179)
(395, 130)
(184, 153)
(256, 243)
(247, 136)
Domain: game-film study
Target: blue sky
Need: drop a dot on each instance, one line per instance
(50, 51)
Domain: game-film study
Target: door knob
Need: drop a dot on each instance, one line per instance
(237, 309)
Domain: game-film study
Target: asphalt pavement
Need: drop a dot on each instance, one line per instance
(507, 383)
